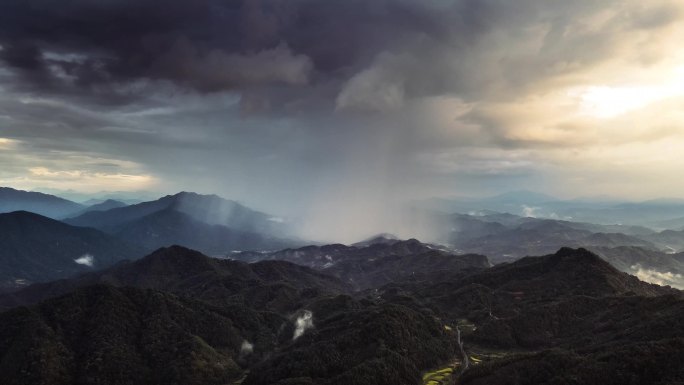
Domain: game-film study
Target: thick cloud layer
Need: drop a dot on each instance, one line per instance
(292, 105)
(380, 52)
(207, 45)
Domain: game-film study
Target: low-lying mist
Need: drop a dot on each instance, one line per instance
(661, 278)
(358, 220)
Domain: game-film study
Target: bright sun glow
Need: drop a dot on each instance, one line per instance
(609, 102)
(7, 143)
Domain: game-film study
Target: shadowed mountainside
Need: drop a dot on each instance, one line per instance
(139, 335)
(280, 323)
(39, 203)
(540, 307)
(34, 248)
(102, 334)
(375, 262)
(270, 284)
(208, 223)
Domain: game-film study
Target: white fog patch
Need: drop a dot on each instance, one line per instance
(303, 323)
(86, 260)
(658, 277)
(529, 212)
(276, 219)
(246, 348)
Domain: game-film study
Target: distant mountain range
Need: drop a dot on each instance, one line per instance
(218, 226)
(374, 262)
(205, 222)
(104, 206)
(659, 214)
(91, 198)
(34, 248)
(540, 237)
(210, 209)
(505, 237)
(43, 204)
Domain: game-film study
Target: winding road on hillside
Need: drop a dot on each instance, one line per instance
(466, 360)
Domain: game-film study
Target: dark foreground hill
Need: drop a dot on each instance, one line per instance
(274, 285)
(506, 296)
(34, 248)
(566, 318)
(269, 320)
(361, 344)
(177, 316)
(656, 362)
(540, 320)
(567, 272)
(107, 335)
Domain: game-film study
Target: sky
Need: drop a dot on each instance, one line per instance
(338, 107)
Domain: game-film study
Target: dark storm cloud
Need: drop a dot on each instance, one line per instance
(208, 45)
(259, 47)
(215, 45)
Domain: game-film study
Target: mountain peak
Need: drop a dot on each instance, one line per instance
(36, 248)
(23, 213)
(105, 205)
(29, 220)
(579, 255)
(572, 271)
(175, 250)
(208, 223)
(178, 258)
(568, 258)
(382, 238)
(194, 195)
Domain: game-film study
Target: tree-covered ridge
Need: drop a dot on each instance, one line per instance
(177, 316)
(34, 248)
(106, 335)
(270, 284)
